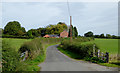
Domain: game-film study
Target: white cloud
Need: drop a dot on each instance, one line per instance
(60, 0)
(97, 17)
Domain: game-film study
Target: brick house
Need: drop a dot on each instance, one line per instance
(46, 36)
(64, 34)
(51, 36)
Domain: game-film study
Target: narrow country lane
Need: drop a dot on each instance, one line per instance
(56, 61)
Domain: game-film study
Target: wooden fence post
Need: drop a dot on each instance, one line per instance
(102, 54)
(107, 57)
(98, 53)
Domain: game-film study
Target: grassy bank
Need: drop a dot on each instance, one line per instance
(15, 43)
(109, 45)
(37, 53)
(105, 45)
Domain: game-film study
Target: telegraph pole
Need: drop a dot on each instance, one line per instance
(70, 27)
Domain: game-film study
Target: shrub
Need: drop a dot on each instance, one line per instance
(76, 47)
(94, 59)
(36, 46)
(10, 58)
(33, 47)
(12, 36)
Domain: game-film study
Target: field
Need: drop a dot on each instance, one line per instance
(107, 45)
(15, 43)
(111, 46)
(11, 47)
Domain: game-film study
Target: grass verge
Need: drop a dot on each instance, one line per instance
(69, 53)
(75, 56)
(32, 65)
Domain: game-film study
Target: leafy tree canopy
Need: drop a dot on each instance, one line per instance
(88, 34)
(14, 28)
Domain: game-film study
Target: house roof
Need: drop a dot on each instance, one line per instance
(46, 36)
(51, 35)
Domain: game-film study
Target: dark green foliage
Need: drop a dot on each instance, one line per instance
(12, 36)
(94, 59)
(32, 33)
(56, 29)
(114, 37)
(96, 36)
(88, 34)
(76, 47)
(35, 47)
(10, 57)
(50, 29)
(75, 32)
(102, 36)
(14, 28)
(108, 36)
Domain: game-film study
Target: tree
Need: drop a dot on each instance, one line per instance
(88, 34)
(23, 29)
(29, 33)
(108, 36)
(102, 35)
(96, 36)
(75, 32)
(56, 29)
(14, 28)
(33, 32)
(114, 37)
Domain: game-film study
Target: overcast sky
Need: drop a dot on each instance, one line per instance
(98, 17)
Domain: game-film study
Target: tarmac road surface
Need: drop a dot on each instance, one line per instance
(57, 61)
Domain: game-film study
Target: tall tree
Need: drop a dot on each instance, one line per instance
(108, 36)
(102, 35)
(75, 32)
(88, 34)
(14, 28)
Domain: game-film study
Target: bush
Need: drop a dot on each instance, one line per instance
(76, 47)
(36, 46)
(12, 61)
(33, 47)
(94, 59)
(12, 36)
(10, 58)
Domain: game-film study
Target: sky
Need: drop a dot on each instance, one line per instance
(98, 17)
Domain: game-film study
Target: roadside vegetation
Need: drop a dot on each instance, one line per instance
(37, 53)
(108, 45)
(81, 50)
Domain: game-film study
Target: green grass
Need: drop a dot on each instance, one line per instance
(33, 64)
(15, 43)
(106, 45)
(74, 56)
(68, 53)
